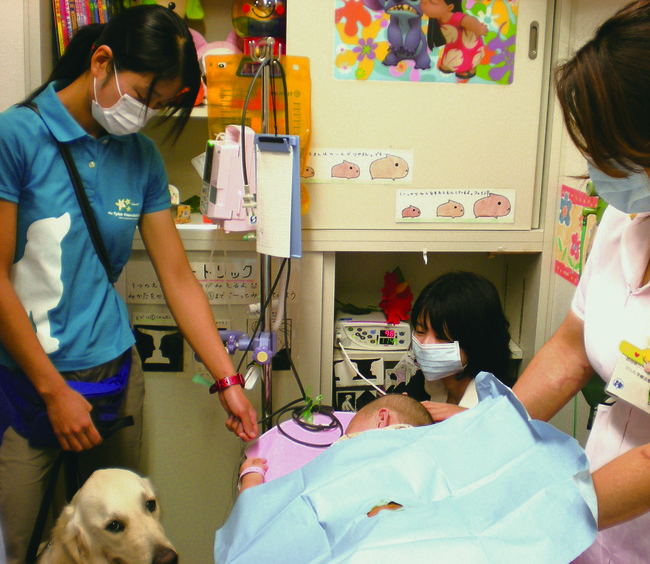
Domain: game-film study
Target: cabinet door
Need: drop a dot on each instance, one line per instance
(466, 138)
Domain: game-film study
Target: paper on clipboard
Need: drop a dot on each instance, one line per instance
(278, 195)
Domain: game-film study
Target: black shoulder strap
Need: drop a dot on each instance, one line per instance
(82, 198)
(41, 518)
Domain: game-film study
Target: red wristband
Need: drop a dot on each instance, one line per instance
(221, 385)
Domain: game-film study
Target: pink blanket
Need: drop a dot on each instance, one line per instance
(285, 455)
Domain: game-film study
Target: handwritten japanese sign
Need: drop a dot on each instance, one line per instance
(234, 281)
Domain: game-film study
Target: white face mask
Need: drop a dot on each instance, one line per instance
(438, 360)
(126, 116)
(629, 195)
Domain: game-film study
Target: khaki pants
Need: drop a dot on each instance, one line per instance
(24, 470)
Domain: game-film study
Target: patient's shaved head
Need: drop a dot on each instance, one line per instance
(402, 410)
(410, 411)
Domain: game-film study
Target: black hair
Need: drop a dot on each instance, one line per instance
(603, 92)
(147, 39)
(465, 307)
(435, 38)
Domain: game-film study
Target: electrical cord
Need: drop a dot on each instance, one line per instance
(283, 78)
(294, 370)
(243, 121)
(273, 104)
(345, 354)
(281, 410)
(259, 321)
(296, 414)
(295, 411)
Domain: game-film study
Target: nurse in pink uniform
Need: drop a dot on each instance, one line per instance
(603, 92)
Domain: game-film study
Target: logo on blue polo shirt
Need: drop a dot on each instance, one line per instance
(126, 209)
(124, 204)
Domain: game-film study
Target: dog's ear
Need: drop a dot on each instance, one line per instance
(69, 532)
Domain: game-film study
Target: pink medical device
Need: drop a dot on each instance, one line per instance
(225, 201)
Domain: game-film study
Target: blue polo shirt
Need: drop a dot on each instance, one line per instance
(78, 316)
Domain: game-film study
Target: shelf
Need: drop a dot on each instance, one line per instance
(199, 236)
(529, 241)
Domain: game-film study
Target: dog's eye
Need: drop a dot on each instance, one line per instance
(151, 505)
(115, 527)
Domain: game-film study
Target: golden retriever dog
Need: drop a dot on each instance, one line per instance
(113, 519)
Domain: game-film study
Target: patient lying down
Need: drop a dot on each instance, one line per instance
(392, 411)
(487, 485)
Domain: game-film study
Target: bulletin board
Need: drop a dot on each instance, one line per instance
(459, 136)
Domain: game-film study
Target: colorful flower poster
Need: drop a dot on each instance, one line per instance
(575, 232)
(460, 41)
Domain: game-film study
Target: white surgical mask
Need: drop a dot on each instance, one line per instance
(126, 116)
(438, 360)
(629, 195)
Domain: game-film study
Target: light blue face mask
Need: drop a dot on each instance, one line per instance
(629, 195)
(437, 360)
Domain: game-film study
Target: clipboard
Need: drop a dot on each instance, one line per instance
(277, 159)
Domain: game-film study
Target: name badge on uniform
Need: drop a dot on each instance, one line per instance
(631, 378)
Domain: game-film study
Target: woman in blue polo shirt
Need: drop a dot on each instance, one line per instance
(60, 317)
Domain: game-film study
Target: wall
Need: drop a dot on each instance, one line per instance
(26, 45)
(463, 136)
(12, 47)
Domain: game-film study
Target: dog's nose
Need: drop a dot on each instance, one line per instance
(165, 555)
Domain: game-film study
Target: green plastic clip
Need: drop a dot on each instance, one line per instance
(307, 414)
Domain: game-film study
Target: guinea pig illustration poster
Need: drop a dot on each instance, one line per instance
(460, 41)
(455, 206)
(359, 166)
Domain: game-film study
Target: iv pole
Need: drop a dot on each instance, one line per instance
(262, 52)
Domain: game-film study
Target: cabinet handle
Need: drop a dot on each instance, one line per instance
(532, 40)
